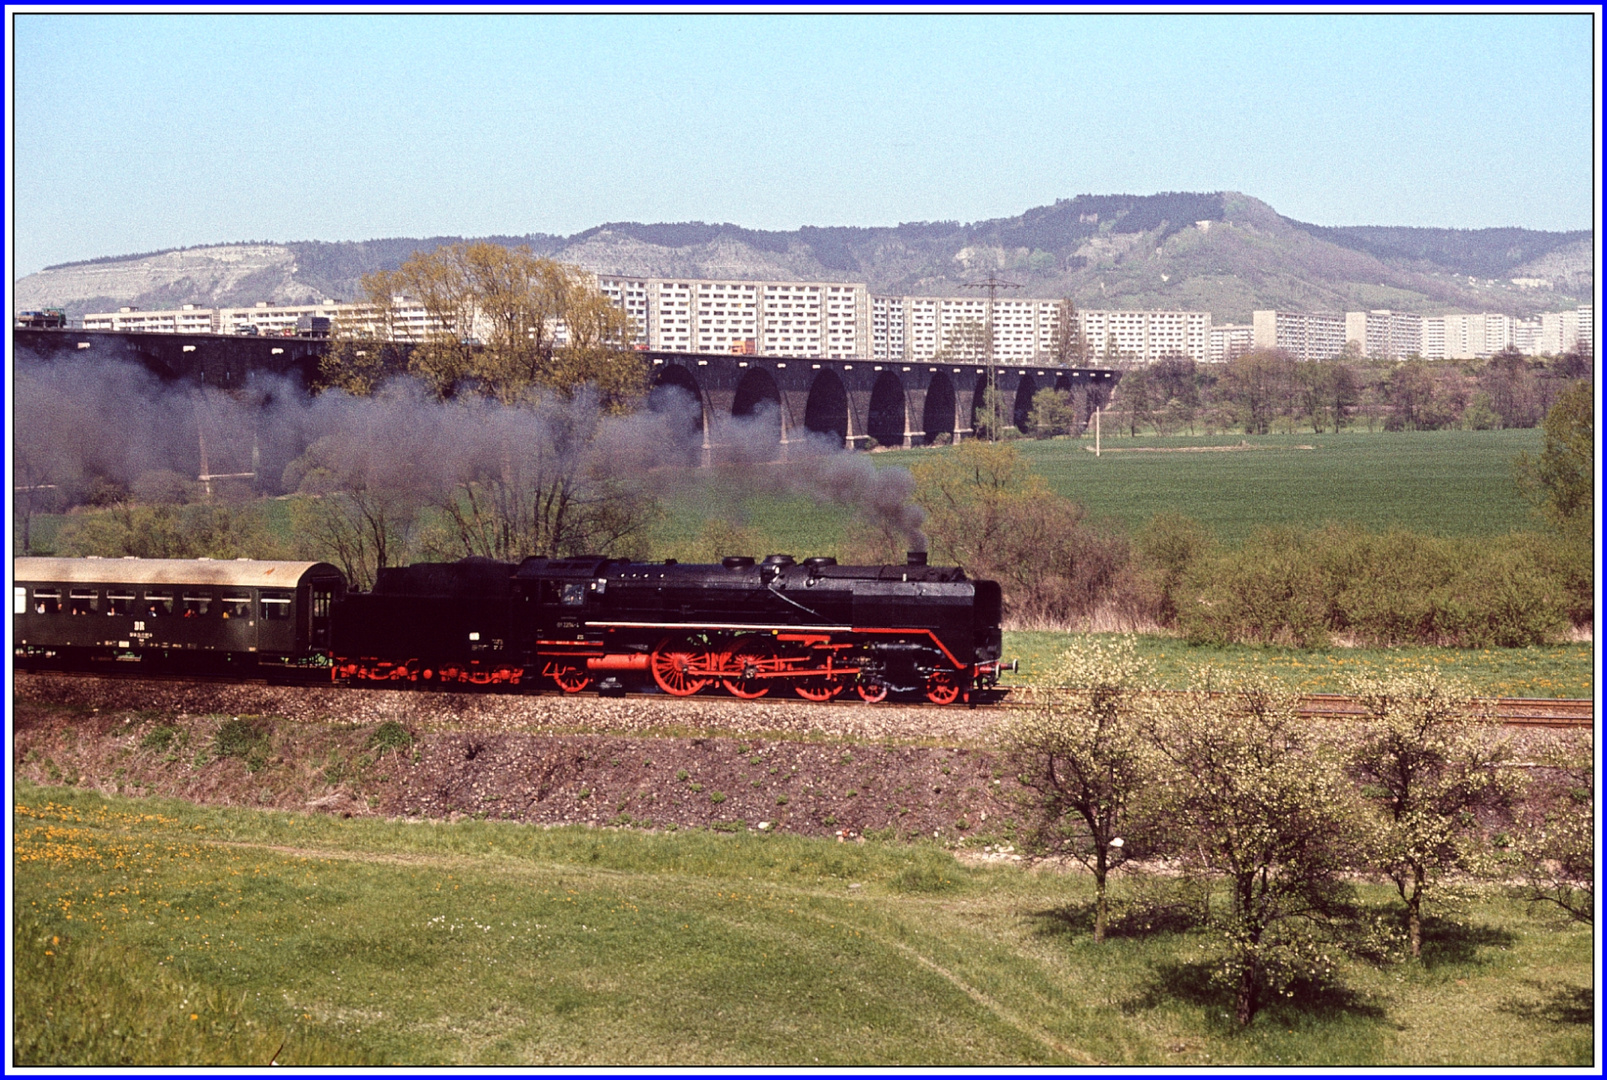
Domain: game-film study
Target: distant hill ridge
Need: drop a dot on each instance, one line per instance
(1219, 251)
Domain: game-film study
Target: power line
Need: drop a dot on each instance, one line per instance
(993, 284)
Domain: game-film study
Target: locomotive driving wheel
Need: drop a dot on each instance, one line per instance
(674, 663)
(872, 692)
(747, 662)
(819, 688)
(571, 679)
(943, 687)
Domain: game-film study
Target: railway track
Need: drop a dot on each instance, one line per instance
(1518, 712)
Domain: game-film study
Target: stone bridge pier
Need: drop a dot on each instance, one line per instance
(758, 401)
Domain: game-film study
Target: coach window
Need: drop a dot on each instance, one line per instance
(83, 601)
(237, 607)
(275, 605)
(120, 602)
(158, 604)
(47, 601)
(196, 604)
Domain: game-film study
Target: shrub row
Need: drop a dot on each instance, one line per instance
(1289, 586)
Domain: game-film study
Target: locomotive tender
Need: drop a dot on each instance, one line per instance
(750, 627)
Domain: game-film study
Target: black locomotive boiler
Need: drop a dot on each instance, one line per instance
(748, 626)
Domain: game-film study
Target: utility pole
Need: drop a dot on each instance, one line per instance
(993, 284)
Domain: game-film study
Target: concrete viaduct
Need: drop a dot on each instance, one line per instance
(892, 403)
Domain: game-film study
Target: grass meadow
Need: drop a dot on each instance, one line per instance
(1538, 671)
(161, 933)
(1450, 483)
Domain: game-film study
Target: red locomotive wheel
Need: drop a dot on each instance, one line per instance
(942, 687)
(674, 663)
(872, 692)
(571, 679)
(819, 688)
(745, 663)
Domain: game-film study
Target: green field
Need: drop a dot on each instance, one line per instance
(1451, 483)
(1540, 671)
(161, 933)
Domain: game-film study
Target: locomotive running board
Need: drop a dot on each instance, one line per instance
(684, 627)
(772, 628)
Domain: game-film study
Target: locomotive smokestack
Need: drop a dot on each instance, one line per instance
(915, 558)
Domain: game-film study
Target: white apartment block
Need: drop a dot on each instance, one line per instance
(889, 325)
(268, 318)
(670, 315)
(1560, 331)
(793, 320)
(1305, 335)
(1230, 340)
(1475, 337)
(922, 337)
(1146, 335)
(630, 295)
(917, 328)
(847, 321)
(727, 314)
(1433, 347)
(1385, 335)
(1526, 336)
(961, 322)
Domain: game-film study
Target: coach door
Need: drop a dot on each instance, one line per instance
(321, 600)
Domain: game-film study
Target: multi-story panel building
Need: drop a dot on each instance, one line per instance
(793, 316)
(889, 317)
(725, 313)
(1146, 335)
(670, 315)
(923, 338)
(847, 321)
(961, 328)
(1230, 340)
(1305, 335)
(1433, 343)
(1526, 336)
(186, 320)
(264, 317)
(1385, 335)
(632, 296)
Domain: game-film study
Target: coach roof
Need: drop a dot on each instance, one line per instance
(248, 573)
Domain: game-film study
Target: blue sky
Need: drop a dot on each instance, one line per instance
(134, 132)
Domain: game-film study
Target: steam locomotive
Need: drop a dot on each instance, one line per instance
(749, 627)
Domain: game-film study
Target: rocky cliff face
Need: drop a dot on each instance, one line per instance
(222, 276)
(1224, 252)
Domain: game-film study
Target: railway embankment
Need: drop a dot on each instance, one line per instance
(647, 761)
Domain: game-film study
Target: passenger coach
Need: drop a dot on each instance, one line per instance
(183, 614)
